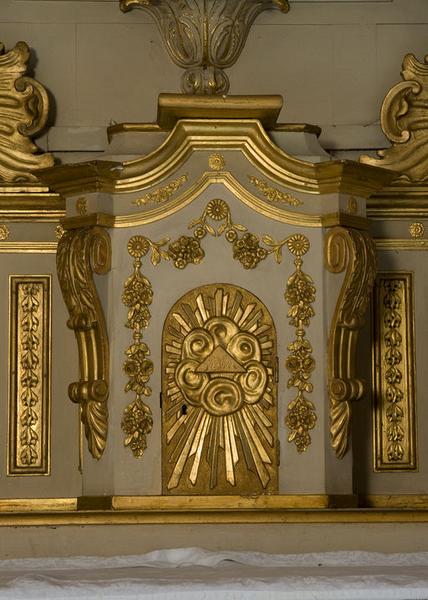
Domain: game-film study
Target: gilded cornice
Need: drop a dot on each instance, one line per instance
(399, 202)
(132, 510)
(245, 136)
(26, 203)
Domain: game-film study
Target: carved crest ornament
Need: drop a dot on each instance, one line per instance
(23, 113)
(204, 36)
(404, 122)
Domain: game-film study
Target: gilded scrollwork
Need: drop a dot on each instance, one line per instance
(204, 36)
(137, 421)
(24, 109)
(82, 252)
(352, 251)
(394, 373)
(163, 193)
(274, 194)
(219, 390)
(403, 121)
(300, 296)
(29, 414)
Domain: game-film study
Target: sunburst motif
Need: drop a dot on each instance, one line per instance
(219, 415)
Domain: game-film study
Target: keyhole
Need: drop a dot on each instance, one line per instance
(184, 409)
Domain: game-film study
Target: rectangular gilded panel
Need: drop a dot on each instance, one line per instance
(29, 375)
(393, 366)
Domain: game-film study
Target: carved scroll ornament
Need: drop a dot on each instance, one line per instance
(204, 36)
(404, 121)
(352, 251)
(23, 113)
(82, 252)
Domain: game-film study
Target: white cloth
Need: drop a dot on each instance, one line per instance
(198, 574)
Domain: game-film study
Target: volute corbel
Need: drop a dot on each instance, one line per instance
(82, 252)
(352, 251)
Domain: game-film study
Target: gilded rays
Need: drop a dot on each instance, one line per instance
(219, 394)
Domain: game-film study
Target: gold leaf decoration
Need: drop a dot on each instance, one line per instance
(81, 252)
(216, 162)
(29, 414)
(23, 113)
(137, 421)
(81, 206)
(162, 194)
(394, 373)
(219, 391)
(274, 194)
(4, 232)
(417, 230)
(59, 232)
(404, 123)
(300, 296)
(184, 251)
(352, 251)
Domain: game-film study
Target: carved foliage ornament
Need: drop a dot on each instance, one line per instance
(137, 296)
(404, 121)
(352, 251)
(394, 373)
(29, 402)
(300, 296)
(82, 252)
(204, 36)
(23, 113)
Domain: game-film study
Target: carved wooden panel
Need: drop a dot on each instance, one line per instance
(219, 394)
(394, 373)
(29, 375)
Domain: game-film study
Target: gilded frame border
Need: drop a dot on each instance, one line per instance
(43, 467)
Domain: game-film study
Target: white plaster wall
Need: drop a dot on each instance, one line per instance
(332, 61)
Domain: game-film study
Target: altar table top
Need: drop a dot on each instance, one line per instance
(198, 574)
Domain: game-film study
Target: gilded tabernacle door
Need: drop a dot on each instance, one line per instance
(219, 409)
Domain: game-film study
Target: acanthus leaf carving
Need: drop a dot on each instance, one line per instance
(404, 121)
(352, 251)
(24, 109)
(204, 36)
(82, 252)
